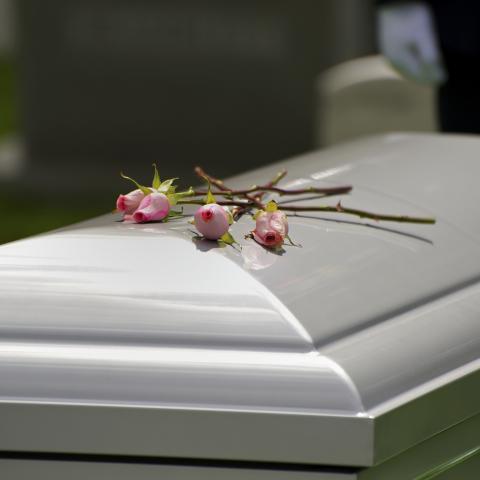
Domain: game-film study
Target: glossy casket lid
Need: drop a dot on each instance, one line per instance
(363, 318)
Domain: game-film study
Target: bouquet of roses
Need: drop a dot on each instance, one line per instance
(213, 218)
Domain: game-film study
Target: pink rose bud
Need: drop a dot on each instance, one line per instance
(211, 221)
(130, 202)
(153, 207)
(271, 228)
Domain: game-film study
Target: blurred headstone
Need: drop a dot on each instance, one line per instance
(367, 96)
(110, 84)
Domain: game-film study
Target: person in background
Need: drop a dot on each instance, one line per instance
(437, 42)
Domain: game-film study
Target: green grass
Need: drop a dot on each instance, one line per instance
(23, 216)
(8, 97)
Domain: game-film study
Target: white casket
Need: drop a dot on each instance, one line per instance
(134, 352)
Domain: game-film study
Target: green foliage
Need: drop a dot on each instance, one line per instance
(8, 98)
(271, 206)
(209, 198)
(227, 238)
(145, 190)
(156, 177)
(174, 213)
(25, 215)
(166, 186)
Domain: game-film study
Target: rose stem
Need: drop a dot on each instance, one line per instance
(360, 213)
(269, 187)
(281, 191)
(335, 209)
(213, 181)
(254, 201)
(239, 209)
(221, 186)
(237, 212)
(231, 203)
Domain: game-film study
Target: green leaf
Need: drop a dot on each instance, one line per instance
(174, 213)
(186, 193)
(257, 214)
(156, 177)
(227, 238)
(166, 185)
(291, 241)
(209, 198)
(230, 216)
(145, 190)
(173, 198)
(271, 206)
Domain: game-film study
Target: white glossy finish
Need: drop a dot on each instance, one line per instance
(418, 347)
(107, 282)
(147, 376)
(348, 275)
(363, 319)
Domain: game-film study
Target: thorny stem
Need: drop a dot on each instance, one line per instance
(323, 208)
(237, 212)
(254, 201)
(359, 213)
(229, 203)
(279, 176)
(269, 187)
(213, 181)
(221, 186)
(223, 190)
(281, 191)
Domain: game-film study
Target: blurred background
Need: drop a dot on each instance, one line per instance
(92, 87)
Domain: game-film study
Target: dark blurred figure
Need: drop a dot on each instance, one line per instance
(437, 42)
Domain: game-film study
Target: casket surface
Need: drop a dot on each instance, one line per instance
(122, 341)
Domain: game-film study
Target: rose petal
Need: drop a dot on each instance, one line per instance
(211, 221)
(130, 202)
(278, 222)
(152, 208)
(271, 238)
